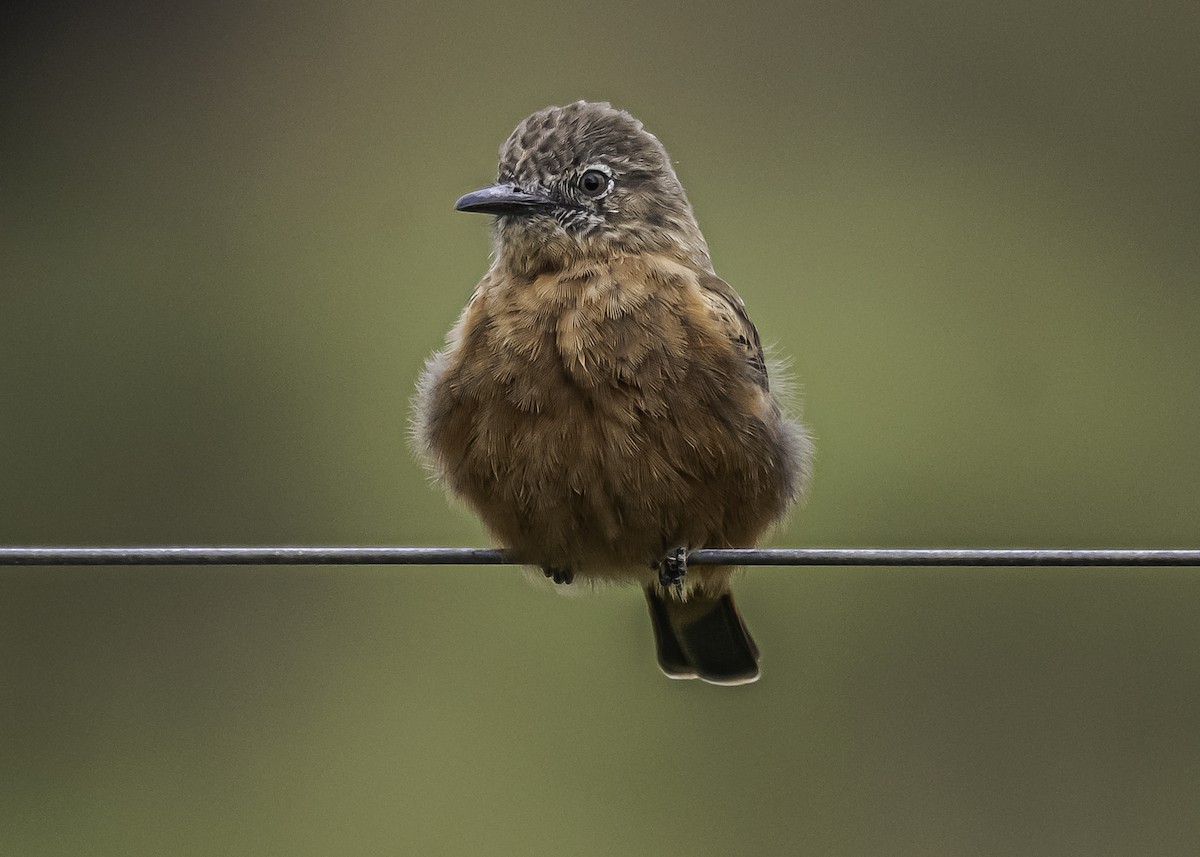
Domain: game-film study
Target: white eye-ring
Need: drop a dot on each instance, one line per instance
(596, 181)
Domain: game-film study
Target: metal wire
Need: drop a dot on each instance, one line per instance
(296, 555)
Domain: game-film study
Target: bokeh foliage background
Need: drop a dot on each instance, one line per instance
(227, 245)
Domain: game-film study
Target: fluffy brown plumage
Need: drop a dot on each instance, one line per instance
(603, 400)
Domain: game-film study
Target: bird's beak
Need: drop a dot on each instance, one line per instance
(502, 199)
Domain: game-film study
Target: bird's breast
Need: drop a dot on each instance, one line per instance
(599, 403)
(597, 328)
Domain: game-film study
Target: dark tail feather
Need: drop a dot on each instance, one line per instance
(703, 637)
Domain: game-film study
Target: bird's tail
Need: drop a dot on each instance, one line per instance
(703, 637)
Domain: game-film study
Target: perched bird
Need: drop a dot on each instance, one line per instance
(603, 402)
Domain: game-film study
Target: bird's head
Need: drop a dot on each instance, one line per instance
(583, 182)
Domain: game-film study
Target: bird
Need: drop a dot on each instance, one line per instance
(603, 403)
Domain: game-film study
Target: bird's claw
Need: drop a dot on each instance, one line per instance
(672, 569)
(559, 575)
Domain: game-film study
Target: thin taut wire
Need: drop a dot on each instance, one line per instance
(295, 555)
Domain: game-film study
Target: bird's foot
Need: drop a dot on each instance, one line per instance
(559, 575)
(673, 568)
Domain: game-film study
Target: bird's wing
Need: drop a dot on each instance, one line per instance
(729, 308)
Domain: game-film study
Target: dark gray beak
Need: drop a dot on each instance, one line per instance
(502, 199)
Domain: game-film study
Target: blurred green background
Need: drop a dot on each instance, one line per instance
(227, 245)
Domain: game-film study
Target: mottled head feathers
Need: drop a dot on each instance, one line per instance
(613, 189)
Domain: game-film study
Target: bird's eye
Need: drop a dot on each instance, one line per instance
(594, 183)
